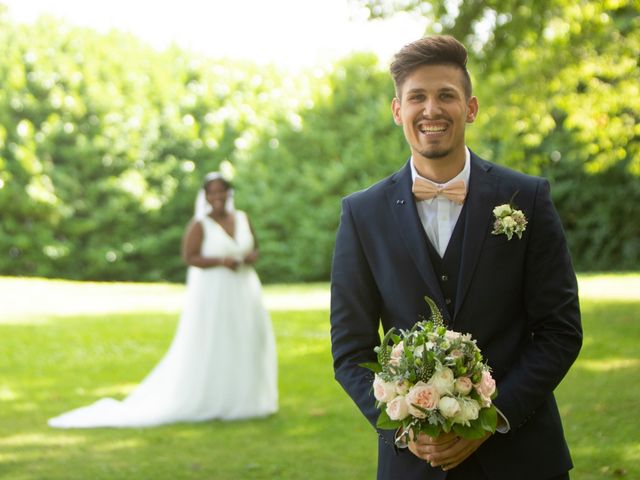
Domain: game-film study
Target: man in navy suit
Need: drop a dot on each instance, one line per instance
(516, 296)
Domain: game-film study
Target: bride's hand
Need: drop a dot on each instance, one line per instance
(230, 263)
(251, 258)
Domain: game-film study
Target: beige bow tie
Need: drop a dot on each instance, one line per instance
(455, 191)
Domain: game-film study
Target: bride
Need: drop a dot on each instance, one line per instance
(222, 361)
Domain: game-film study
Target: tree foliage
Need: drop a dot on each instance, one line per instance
(342, 140)
(104, 141)
(103, 145)
(559, 90)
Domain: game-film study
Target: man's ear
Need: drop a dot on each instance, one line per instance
(395, 109)
(472, 109)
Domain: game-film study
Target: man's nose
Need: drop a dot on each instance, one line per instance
(431, 108)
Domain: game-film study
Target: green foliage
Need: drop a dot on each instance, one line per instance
(558, 87)
(103, 144)
(342, 140)
(104, 141)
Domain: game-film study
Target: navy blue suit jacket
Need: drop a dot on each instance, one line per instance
(517, 297)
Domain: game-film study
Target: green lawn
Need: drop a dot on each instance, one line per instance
(64, 344)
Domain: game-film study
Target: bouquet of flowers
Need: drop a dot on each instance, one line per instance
(432, 380)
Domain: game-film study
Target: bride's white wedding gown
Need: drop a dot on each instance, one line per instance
(222, 361)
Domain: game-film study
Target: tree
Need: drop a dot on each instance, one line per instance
(558, 83)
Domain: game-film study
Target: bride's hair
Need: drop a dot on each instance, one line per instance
(213, 176)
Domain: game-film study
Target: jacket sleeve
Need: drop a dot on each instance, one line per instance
(355, 318)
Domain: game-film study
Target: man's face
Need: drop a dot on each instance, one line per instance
(433, 111)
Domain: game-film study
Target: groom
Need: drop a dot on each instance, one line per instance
(427, 231)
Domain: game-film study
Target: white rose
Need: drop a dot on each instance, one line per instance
(469, 410)
(502, 210)
(451, 335)
(397, 409)
(449, 407)
(463, 385)
(383, 391)
(443, 381)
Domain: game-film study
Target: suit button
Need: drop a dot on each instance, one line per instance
(447, 301)
(444, 278)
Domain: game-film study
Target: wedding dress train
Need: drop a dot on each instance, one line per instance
(222, 361)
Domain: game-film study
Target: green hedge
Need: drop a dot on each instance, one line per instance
(104, 142)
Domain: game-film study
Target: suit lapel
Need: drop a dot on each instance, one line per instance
(400, 200)
(480, 201)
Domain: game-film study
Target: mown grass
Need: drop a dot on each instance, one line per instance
(51, 363)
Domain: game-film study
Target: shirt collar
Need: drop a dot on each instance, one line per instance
(463, 175)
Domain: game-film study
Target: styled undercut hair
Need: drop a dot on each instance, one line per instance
(433, 50)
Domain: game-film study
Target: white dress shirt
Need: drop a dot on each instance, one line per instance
(439, 214)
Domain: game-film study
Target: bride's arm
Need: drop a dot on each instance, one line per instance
(191, 246)
(252, 256)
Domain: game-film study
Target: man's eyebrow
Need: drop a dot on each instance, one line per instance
(420, 90)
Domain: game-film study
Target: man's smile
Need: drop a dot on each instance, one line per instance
(429, 128)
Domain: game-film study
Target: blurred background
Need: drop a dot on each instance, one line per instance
(111, 114)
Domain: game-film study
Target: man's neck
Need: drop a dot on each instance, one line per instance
(439, 170)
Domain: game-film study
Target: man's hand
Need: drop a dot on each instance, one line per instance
(446, 451)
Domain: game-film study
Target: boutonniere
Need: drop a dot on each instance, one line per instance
(508, 221)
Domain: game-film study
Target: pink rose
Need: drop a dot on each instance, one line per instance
(424, 396)
(486, 387)
(463, 385)
(397, 409)
(396, 354)
(383, 391)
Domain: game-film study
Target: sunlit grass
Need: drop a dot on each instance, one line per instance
(52, 362)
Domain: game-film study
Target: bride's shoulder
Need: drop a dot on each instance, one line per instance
(241, 216)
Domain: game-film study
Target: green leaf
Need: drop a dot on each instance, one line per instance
(436, 316)
(430, 429)
(472, 431)
(373, 366)
(385, 423)
(488, 418)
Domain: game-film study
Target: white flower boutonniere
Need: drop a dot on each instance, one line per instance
(508, 221)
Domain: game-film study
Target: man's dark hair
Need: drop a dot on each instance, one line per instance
(434, 50)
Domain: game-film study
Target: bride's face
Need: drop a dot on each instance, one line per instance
(216, 194)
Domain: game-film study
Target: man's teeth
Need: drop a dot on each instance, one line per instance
(431, 129)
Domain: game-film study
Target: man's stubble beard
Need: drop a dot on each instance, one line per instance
(435, 154)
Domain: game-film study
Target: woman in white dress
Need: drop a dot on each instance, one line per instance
(222, 361)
